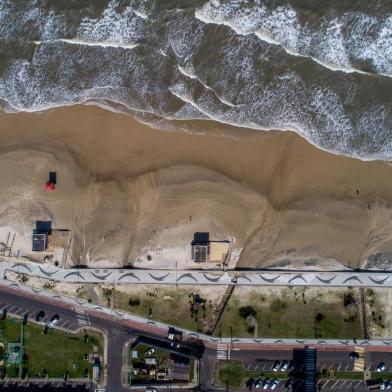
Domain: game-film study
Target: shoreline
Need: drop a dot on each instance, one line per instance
(128, 187)
(177, 125)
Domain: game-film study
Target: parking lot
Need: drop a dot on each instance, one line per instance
(341, 362)
(341, 385)
(69, 322)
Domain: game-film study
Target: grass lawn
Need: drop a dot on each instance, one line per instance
(292, 313)
(54, 353)
(377, 317)
(171, 306)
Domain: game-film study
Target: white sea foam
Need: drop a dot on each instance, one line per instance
(140, 14)
(103, 44)
(328, 46)
(187, 72)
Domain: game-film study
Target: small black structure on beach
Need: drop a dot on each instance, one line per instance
(40, 235)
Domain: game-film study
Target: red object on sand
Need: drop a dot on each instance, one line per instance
(49, 186)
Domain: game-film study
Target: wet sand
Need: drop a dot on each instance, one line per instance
(127, 191)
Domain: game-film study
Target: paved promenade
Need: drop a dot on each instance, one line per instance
(198, 277)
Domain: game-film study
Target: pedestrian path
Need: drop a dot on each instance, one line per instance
(222, 351)
(82, 316)
(373, 278)
(359, 363)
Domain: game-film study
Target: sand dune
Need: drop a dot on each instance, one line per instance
(127, 192)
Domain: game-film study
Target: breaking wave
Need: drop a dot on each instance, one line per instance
(324, 72)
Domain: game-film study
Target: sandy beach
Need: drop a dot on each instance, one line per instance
(135, 195)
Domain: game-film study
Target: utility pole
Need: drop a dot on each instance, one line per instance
(231, 336)
(114, 294)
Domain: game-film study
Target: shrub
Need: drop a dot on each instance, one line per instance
(247, 311)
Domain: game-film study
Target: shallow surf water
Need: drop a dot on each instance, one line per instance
(322, 69)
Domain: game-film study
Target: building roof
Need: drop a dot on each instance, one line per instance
(200, 253)
(39, 242)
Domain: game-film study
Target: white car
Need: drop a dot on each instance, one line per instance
(274, 384)
(266, 383)
(258, 384)
(276, 366)
(54, 320)
(285, 366)
(380, 367)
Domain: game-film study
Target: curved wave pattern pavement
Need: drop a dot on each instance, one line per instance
(322, 69)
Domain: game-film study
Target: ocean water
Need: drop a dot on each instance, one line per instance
(320, 68)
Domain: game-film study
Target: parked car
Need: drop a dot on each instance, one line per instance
(54, 320)
(40, 316)
(276, 366)
(380, 367)
(174, 345)
(354, 355)
(284, 366)
(388, 384)
(174, 334)
(266, 383)
(151, 390)
(258, 383)
(382, 385)
(274, 384)
(289, 383)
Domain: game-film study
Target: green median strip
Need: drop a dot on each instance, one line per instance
(343, 376)
(382, 375)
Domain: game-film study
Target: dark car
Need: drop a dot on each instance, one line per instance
(40, 316)
(354, 355)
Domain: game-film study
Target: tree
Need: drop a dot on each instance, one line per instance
(247, 311)
(319, 317)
